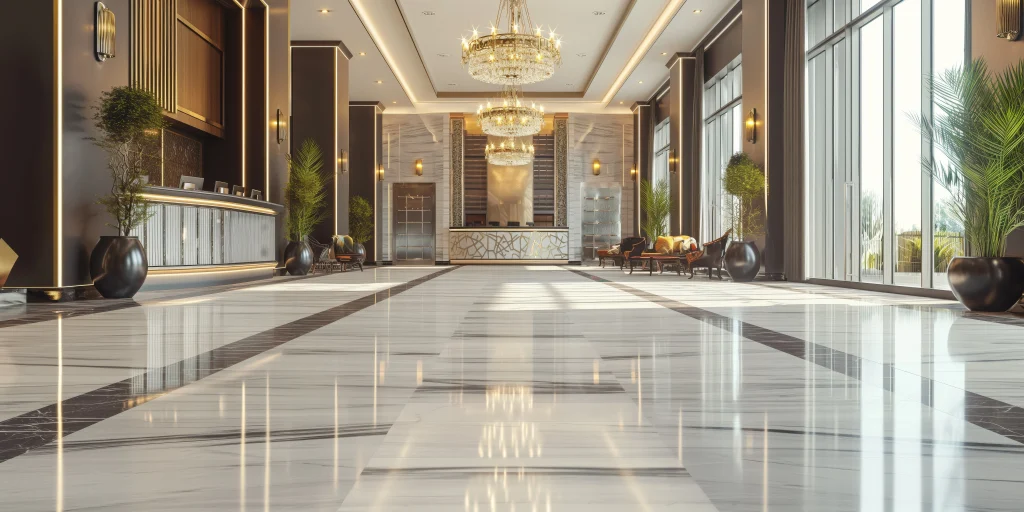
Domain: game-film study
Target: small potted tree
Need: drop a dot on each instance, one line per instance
(657, 204)
(744, 180)
(360, 226)
(306, 201)
(979, 128)
(128, 120)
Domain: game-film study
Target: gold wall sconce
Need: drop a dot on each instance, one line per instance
(419, 167)
(106, 33)
(282, 127)
(380, 172)
(673, 161)
(632, 173)
(343, 162)
(750, 126)
(1008, 12)
(597, 167)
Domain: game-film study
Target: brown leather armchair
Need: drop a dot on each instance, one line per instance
(711, 257)
(631, 247)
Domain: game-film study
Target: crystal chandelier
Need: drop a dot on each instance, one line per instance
(512, 118)
(509, 153)
(520, 55)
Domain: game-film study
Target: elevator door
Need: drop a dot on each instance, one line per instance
(413, 223)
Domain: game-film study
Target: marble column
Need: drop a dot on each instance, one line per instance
(457, 135)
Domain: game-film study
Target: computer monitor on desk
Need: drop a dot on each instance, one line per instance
(513, 223)
(190, 183)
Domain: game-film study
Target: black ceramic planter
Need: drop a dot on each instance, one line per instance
(118, 266)
(743, 261)
(298, 258)
(987, 284)
(360, 252)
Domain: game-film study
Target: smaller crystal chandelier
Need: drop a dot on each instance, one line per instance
(509, 153)
(512, 118)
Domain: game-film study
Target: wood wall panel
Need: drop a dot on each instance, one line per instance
(544, 176)
(200, 78)
(206, 17)
(475, 177)
(152, 49)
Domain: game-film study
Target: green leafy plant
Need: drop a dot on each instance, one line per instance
(129, 120)
(657, 204)
(306, 193)
(979, 128)
(744, 179)
(360, 220)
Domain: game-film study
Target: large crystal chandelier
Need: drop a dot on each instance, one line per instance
(512, 118)
(520, 55)
(509, 153)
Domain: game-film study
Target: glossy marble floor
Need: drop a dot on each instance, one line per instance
(506, 388)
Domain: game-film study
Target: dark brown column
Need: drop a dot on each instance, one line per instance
(683, 121)
(643, 153)
(367, 123)
(320, 110)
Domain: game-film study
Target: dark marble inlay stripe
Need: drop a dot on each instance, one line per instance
(988, 413)
(38, 428)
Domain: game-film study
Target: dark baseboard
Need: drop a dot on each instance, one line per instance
(887, 288)
(387, 263)
(576, 263)
(66, 294)
(442, 263)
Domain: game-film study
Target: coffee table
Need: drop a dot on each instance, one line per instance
(660, 260)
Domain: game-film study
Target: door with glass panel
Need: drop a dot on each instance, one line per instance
(413, 223)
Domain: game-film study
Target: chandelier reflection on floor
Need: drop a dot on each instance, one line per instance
(520, 55)
(512, 118)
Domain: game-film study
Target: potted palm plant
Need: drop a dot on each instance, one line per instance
(979, 128)
(306, 201)
(128, 121)
(657, 203)
(744, 180)
(360, 226)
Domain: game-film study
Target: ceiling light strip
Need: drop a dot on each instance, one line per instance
(371, 29)
(659, 26)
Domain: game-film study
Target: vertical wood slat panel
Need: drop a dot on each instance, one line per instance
(152, 65)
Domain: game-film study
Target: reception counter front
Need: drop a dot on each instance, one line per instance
(509, 245)
(196, 237)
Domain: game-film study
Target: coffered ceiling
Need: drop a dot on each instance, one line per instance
(613, 51)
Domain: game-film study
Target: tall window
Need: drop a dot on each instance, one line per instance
(874, 214)
(662, 142)
(723, 136)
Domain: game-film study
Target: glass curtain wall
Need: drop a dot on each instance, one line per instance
(662, 140)
(874, 213)
(723, 137)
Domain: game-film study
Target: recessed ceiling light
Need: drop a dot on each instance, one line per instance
(697, 11)
(382, 81)
(570, 85)
(581, 55)
(641, 81)
(394, 103)
(622, 103)
(323, 11)
(664, 53)
(444, 55)
(599, 13)
(362, 54)
(428, 13)
(452, 84)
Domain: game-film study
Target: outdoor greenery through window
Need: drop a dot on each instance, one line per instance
(723, 137)
(875, 213)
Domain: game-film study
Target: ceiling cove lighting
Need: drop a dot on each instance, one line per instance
(659, 26)
(323, 11)
(509, 153)
(357, 6)
(520, 55)
(512, 118)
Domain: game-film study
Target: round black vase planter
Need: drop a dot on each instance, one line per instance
(118, 266)
(298, 258)
(987, 284)
(743, 261)
(360, 252)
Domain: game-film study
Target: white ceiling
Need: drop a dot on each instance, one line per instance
(402, 44)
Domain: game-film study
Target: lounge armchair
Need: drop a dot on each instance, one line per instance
(711, 257)
(630, 249)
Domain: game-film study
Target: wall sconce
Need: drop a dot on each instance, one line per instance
(1009, 19)
(750, 126)
(380, 172)
(597, 167)
(106, 32)
(343, 162)
(419, 167)
(673, 161)
(282, 127)
(632, 173)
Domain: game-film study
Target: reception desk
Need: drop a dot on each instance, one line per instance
(196, 237)
(508, 245)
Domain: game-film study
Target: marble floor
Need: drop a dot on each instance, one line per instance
(512, 388)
